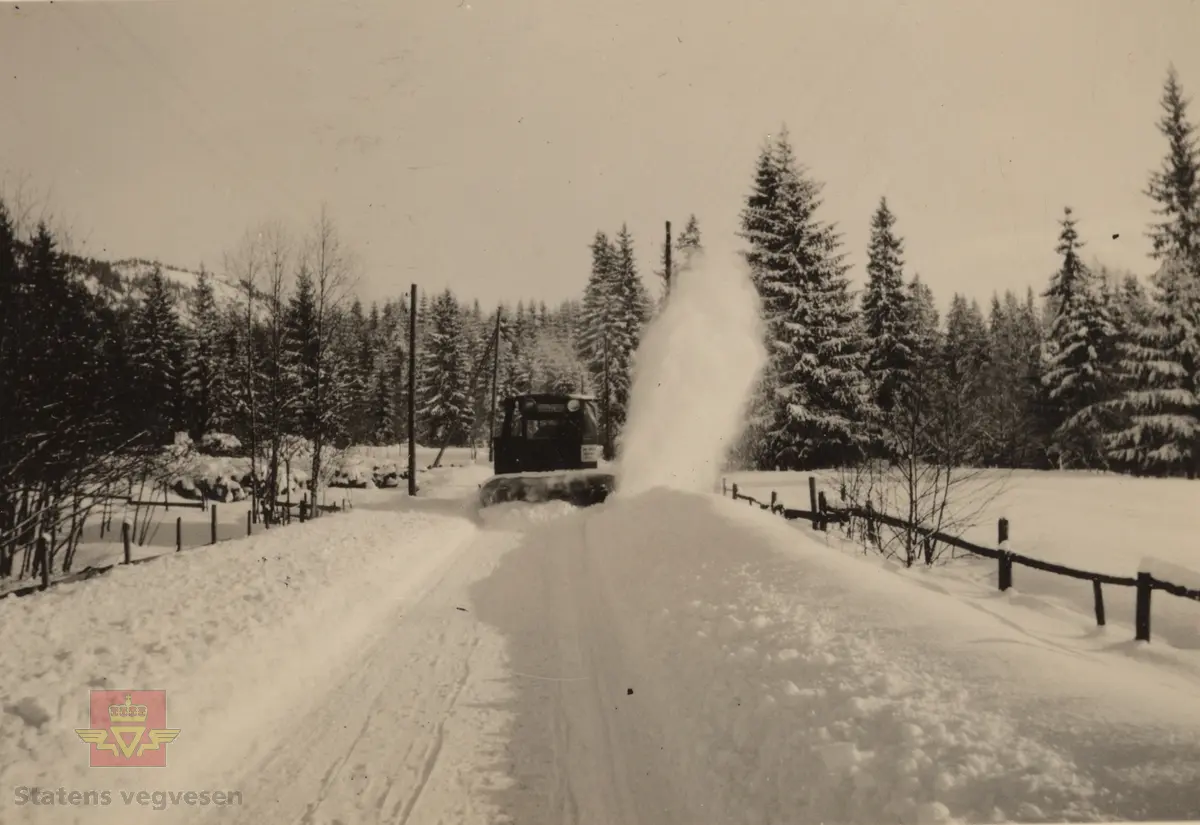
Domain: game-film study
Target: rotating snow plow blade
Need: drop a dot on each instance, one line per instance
(581, 488)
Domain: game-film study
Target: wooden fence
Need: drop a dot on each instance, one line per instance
(252, 517)
(821, 515)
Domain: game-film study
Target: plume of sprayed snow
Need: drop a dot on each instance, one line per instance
(694, 373)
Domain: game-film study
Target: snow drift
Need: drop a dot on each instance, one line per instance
(694, 372)
(218, 628)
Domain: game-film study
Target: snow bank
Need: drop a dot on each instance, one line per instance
(216, 628)
(1173, 572)
(1099, 522)
(519, 515)
(781, 681)
(693, 375)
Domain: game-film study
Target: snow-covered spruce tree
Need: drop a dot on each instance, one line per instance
(445, 406)
(157, 348)
(1014, 433)
(924, 321)
(520, 340)
(630, 311)
(758, 228)
(1135, 310)
(964, 358)
(1161, 365)
(915, 478)
(234, 406)
(302, 352)
(1162, 369)
(688, 245)
(64, 408)
(559, 369)
(341, 384)
(821, 405)
(67, 401)
(364, 331)
(17, 400)
(615, 309)
(1175, 186)
(384, 406)
(1079, 357)
(593, 318)
(401, 364)
(206, 373)
(886, 315)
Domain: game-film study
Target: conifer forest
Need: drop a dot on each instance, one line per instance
(105, 363)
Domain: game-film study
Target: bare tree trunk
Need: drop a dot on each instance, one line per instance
(332, 271)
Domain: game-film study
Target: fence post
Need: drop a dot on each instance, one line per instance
(774, 498)
(1145, 587)
(214, 523)
(870, 519)
(735, 492)
(822, 508)
(1098, 592)
(126, 529)
(249, 522)
(724, 487)
(166, 496)
(178, 533)
(812, 501)
(1004, 575)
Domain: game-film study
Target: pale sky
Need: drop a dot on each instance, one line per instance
(480, 144)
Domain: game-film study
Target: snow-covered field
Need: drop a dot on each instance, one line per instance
(154, 527)
(1103, 523)
(669, 657)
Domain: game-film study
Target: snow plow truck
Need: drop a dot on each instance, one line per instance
(548, 449)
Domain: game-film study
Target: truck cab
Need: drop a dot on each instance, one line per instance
(546, 432)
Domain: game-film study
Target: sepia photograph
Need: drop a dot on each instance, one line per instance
(547, 412)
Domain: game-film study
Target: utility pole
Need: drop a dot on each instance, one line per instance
(495, 380)
(607, 413)
(667, 259)
(412, 391)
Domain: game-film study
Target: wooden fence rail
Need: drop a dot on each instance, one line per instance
(821, 516)
(93, 571)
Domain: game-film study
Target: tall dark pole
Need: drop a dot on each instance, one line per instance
(412, 391)
(667, 258)
(607, 414)
(495, 379)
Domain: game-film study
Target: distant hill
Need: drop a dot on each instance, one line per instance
(122, 284)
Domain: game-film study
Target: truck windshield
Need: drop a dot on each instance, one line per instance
(591, 429)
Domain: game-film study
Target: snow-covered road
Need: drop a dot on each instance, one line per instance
(668, 659)
(401, 730)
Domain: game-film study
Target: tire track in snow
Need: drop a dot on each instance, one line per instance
(435, 749)
(583, 748)
(386, 738)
